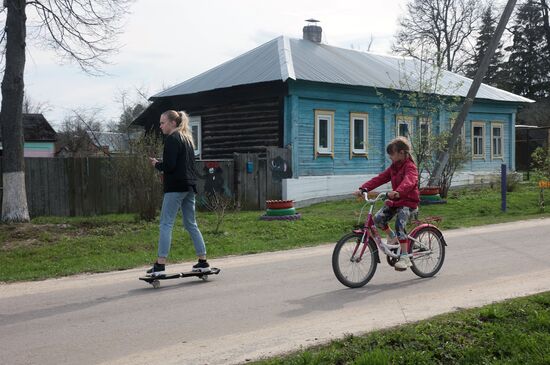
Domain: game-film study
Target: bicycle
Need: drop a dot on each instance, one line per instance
(354, 266)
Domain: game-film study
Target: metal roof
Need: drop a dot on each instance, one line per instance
(286, 58)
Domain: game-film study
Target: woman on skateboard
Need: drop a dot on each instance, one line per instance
(178, 168)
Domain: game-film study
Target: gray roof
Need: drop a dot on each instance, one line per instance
(36, 128)
(286, 58)
(116, 142)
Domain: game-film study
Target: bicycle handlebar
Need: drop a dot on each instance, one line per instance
(379, 197)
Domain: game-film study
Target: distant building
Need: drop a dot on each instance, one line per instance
(39, 136)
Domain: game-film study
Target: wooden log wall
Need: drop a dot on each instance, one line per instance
(240, 127)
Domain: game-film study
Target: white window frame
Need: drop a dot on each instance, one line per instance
(478, 156)
(424, 121)
(364, 117)
(196, 121)
(329, 117)
(403, 119)
(494, 155)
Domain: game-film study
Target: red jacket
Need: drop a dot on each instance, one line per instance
(404, 179)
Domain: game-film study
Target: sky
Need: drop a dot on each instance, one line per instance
(165, 42)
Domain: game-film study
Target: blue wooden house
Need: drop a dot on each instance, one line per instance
(335, 108)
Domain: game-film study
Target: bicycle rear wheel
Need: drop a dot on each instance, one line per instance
(428, 249)
(349, 268)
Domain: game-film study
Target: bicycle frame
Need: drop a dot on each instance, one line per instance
(369, 230)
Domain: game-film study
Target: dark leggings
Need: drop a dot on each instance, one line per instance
(385, 214)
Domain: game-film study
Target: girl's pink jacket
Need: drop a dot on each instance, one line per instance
(404, 179)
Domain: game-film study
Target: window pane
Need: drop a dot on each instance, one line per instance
(403, 129)
(424, 130)
(478, 131)
(358, 134)
(323, 133)
(496, 132)
(195, 132)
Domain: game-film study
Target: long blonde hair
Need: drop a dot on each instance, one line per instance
(182, 124)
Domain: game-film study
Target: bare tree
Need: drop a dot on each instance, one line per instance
(442, 28)
(78, 133)
(33, 107)
(79, 30)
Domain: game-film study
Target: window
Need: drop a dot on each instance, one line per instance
(496, 140)
(324, 132)
(425, 129)
(358, 134)
(404, 126)
(195, 125)
(478, 133)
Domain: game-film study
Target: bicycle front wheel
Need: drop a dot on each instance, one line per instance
(428, 250)
(350, 267)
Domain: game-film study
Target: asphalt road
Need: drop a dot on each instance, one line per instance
(259, 305)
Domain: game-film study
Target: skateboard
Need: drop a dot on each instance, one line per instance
(155, 280)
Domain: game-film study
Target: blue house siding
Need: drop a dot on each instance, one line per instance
(307, 97)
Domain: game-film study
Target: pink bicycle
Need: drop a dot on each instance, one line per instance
(356, 255)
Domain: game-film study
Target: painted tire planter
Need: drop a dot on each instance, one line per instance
(434, 197)
(279, 204)
(292, 217)
(280, 212)
(429, 190)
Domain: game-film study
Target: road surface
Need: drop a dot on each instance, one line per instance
(259, 305)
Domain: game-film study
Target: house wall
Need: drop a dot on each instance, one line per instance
(247, 126)
(39, 149)
(316, 177)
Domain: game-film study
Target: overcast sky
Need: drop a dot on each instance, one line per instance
(166, 42)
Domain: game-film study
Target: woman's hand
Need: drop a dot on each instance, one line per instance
(153, 161)
(393, 195)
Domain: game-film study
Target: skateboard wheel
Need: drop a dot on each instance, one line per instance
(156, 284)
(204, 277)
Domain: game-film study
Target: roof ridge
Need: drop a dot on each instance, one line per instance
(285, 58)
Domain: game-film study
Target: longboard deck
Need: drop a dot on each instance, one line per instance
(200, 274)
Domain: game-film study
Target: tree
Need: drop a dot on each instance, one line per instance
(79, 30)
(486, 32)
(131, 108)
(528, 67)
(441, 28)
(78, 133)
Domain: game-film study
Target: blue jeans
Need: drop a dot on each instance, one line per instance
(171, 204)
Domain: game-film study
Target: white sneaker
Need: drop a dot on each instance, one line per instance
(403, 263)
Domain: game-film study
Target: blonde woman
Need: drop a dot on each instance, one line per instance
(178, 168)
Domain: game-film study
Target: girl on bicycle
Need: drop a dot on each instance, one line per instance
(403, 199)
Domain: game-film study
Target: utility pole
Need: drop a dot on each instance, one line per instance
(443, 158)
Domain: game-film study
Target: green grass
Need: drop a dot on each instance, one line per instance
(512, 332)
(59, 246)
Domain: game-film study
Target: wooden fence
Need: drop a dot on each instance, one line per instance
(90, 185)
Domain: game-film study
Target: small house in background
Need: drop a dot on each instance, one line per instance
(39, 136)
(110, 143)
(335, 109)
(528, 139)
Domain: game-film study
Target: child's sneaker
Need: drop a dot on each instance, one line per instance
(403, 263)
(156, 270)
(202, 265)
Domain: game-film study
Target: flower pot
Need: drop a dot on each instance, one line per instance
(429, 190)
(279, 204)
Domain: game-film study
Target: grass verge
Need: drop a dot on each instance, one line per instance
(513, 332)
(58, 246)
